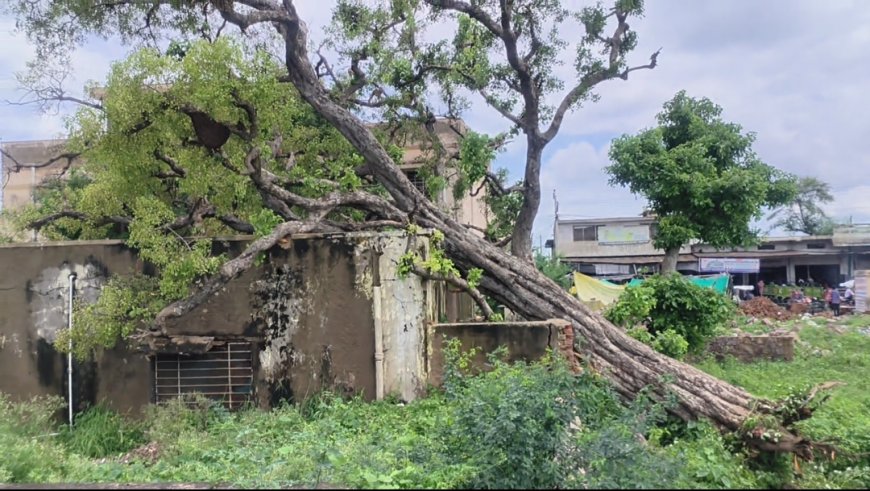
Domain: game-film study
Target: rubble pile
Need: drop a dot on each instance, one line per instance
(765, 308)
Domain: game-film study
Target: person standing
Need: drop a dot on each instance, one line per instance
(760, 287)
(835, 301)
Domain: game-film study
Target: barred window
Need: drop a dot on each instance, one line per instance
(223, 374)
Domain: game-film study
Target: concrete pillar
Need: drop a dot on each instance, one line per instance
(789, 270)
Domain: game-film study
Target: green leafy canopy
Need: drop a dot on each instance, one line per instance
(700, 175)
(144, 161)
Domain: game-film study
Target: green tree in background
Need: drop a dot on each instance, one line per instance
(804, 213)
(700, 175)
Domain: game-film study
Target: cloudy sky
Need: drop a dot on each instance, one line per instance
(795, 72)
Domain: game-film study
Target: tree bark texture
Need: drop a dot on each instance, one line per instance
(521, 238)
(669, 263)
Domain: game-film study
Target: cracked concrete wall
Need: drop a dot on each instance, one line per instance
(33, 308)
(310, 309)
(405, 309)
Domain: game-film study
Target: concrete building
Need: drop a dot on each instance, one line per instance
(619, 247)
(19, 171)
(326, 311)
(613, 247)
(322, 312)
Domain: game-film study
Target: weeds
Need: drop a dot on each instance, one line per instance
(100, 432)
(516, 425)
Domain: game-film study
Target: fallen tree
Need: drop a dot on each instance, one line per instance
(509, 278)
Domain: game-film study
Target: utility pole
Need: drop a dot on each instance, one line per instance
(555, 223)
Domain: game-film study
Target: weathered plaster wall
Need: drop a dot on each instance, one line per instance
(33, 307)
(311, 307)
(308, 309)
(749, 349)
(403, 317)
(526, 341)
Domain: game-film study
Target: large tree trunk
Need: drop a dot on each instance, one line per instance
(669, 263)
(521, 238)
(627, 363)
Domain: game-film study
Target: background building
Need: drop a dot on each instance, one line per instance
(620, 247)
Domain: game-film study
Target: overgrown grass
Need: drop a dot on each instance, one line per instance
(822, 354)
(515, 426)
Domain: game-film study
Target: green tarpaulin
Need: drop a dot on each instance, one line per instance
(718, 282)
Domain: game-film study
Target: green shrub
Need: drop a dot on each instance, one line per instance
(709, 464)
(541, 426)
(100, 432)
(27, 430)
(190, 413)
(671, 343)
(613, 453)
(671, 307)
(555, 269)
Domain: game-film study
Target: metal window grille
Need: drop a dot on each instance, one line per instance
(417, 180)
(224, 374)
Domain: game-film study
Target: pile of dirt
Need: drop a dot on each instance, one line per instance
(764, 308)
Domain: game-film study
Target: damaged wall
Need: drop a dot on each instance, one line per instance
(750, 349)
(307, 311)
(33, 308)
(526, 341)
(310, 309)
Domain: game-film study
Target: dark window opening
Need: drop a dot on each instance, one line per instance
(766, 247)
(816, 245)
(585, 233)
(224, 374)
(417, 180)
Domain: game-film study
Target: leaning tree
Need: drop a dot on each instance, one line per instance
(392, 66)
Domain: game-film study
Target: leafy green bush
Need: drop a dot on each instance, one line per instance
(555, 269)
(190, 413)
(541, 426)
(708, 462)
(614, 453)
(671, 307)
(100, 432)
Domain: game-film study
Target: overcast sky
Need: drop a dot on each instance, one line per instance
(796, 72)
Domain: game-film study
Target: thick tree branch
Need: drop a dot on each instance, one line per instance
(236, 223)
(265, 11)
(18, 166)
(232, 269)
(460, 283)
(40, 223)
